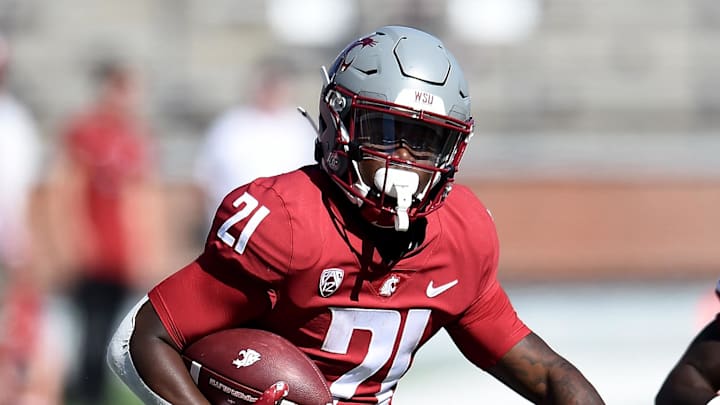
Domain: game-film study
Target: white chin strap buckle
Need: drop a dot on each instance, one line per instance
(402, 185)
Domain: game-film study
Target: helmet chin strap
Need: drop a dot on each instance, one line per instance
(402, 185)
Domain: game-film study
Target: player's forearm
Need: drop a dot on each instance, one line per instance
(542, 376)
(567, 386)
(162, 369)
(158, 362)
(686, 386)
(684, 396)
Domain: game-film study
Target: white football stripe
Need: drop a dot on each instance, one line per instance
(195, 368)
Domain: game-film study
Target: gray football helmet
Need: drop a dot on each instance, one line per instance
(396, 88)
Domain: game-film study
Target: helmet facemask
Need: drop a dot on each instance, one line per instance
(370, 132)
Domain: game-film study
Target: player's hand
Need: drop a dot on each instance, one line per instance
(274, 394)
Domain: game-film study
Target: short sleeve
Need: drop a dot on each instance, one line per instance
(248, 251)
(489, 328)
(194, 302)
(251, 234)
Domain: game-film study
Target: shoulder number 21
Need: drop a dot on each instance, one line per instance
(250, 204)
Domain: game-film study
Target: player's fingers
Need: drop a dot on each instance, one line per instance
(274, 394)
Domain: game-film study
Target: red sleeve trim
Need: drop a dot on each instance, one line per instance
(161, 309)
(510, 342)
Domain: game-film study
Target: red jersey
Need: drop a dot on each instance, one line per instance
(113, 152)
(280, 252)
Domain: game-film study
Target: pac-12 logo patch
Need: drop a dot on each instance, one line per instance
(330, 281)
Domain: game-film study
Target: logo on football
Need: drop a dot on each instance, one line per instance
(246, 357)
(259, 360)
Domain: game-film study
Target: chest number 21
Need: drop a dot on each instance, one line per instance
(384, 327)
(250, 204)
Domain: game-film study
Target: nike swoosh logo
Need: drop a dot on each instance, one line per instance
(433, 291)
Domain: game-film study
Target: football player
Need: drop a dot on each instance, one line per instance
(695, 379)
(360, 259)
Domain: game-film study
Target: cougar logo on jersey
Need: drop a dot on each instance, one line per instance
(389, 286)
(330, 281)
(246, 357)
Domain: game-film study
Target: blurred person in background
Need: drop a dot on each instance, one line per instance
(264, 137)
(25, 335)
(107, 216)
(695, 379)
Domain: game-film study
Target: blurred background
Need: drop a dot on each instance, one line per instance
(596, 148)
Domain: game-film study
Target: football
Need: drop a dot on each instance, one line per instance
(235, 366)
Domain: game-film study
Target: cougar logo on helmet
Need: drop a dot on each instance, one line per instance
(345, 59)
(333, 161)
